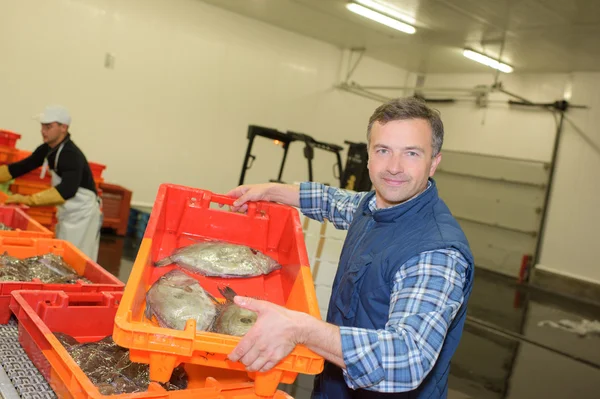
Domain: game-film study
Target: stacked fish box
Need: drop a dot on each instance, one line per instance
(81, 361)
(89, 339)
(14, 222)
(195, 254)
(47, 264)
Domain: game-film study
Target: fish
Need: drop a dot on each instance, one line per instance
(13, 269)
(233, 319)
(221, 259)
(108, 367)
(51, 268)
(176, 297)
(48, 268)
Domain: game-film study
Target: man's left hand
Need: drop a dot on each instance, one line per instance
(273, 336)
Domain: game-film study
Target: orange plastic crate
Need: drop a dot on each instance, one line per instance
(181, 216)
(7, 155)
(34, 175)
(24, 225)
(89, 317)
(8, 138)
(22, 154)
(43, 217)
(84, 266)
(28, 187)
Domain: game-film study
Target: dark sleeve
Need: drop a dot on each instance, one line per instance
(35, 160)
(70, 166)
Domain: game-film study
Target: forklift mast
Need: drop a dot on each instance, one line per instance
(286, 138)
(354, 177)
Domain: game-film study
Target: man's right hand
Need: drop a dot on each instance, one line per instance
(285, 193)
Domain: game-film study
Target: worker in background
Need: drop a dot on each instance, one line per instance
(399, 298)
(73, 188)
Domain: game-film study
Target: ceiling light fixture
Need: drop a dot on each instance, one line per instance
(382, 19)
(485, 60)
(390, 10)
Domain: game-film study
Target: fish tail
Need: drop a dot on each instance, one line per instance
(163, 262)
(212, 298)
(228, 293)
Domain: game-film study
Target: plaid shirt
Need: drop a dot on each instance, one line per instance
(426, 295)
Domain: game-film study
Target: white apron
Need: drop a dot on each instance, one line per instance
(79, 218)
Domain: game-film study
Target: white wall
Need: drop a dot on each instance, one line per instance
(187, 81)
(571, 237)
(499, 129)
(573, 216)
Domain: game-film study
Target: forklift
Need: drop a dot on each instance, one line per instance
(355, 176)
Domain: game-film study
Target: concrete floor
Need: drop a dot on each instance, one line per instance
(504, 352)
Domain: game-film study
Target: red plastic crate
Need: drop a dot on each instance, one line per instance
(183, 215)
(116, 202)
(8, 138)
(97, 170)
(90, 317)
(24, 225)
(84, 266)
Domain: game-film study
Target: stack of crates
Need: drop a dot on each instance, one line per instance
(116, 202)
(8, 152)
(90, 312)
(42, 313)
(182, 216)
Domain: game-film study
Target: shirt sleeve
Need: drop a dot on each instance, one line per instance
(71, 170)
(35, 160)
(318, 201)
(426, 295)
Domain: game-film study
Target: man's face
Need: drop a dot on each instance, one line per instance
(400, 160)
(53, 133)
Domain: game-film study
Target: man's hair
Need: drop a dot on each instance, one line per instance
(410, 108)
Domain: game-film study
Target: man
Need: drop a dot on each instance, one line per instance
(398, 301)
(73, 187)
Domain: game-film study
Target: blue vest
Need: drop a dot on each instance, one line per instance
(377, 245)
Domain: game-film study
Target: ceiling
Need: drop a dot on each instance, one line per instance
(533, 36)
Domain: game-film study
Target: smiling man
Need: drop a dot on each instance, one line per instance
(399, 297)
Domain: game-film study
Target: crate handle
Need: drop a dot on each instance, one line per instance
(20, 242)
(223, 199)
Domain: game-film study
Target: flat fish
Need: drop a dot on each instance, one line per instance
(232, 319)
(177, 297)
(51, 268)
(220, 259)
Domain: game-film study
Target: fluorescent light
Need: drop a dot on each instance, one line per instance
(382, 19)
(386, 9)
(485, 60)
